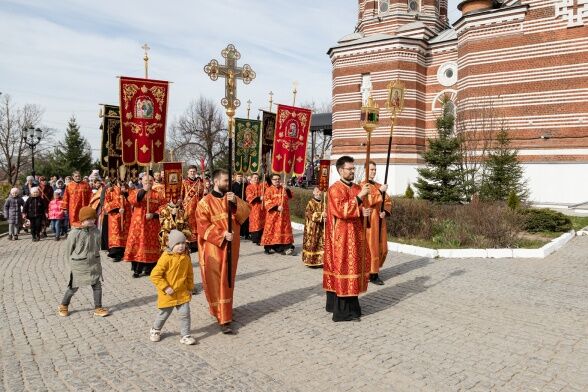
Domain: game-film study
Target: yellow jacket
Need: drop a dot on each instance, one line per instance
(173, 270)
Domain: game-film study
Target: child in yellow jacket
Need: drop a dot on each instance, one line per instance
(174, 278)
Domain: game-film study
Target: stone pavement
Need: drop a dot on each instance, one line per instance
(436, 325)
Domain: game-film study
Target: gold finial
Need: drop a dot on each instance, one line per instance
(271, 100)
(248, 108)
(146, 48)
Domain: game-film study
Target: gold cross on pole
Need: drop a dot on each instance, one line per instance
(271, 100)
(248, 108)
(231, 72)
(146, 48)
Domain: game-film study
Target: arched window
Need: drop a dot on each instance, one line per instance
(414, 6)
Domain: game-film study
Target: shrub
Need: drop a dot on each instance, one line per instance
(538, 220)
(299, 201)
(514, 202)
(411, 218)
(409, 193)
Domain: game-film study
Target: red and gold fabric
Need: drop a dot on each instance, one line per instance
(345, 271)
(143, 112)
(313, 244)
(376, 232)
(324, 172)
(291, 136)
(278, 226)
(172, 172)
(254, 193)
(76, 196)
(172, 217)
(118, 222)
(143, 239)
(212, 219)
(192, 192)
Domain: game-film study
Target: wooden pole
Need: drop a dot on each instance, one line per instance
(229, 209)
(365, 218)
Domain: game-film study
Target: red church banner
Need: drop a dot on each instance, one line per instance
(291, 135)
(172, 172)
(323, 177)
(143, 110)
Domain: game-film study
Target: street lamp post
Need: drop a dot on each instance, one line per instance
(32, 136)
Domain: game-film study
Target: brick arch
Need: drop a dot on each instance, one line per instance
(436, 105)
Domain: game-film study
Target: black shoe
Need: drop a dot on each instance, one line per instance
(269, 251)
(377, 281)
(15, 237)
(136, 275)
(10, 237)
(56, 238)
(226, 329)
(116, 260)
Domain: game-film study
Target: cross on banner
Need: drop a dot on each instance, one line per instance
(231, 73)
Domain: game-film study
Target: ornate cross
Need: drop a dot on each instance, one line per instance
(231, 72)
(146, 48)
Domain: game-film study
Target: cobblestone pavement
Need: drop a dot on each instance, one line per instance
(436, 325)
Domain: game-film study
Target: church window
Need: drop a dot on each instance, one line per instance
(383, 7)
(413, 6)
(447, 74)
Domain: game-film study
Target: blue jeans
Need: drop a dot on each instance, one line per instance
(56, 227)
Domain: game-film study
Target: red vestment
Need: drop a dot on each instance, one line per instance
(76, 196)
(192, 192)
(278, 227)
(143, 239)
(377, 236)
(118, 229)
(345, 272)
(257, 215)
(212, 217)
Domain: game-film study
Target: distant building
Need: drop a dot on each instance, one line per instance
(528, 60)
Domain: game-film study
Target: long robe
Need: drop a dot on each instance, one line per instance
(377, 237)
(314, 234)
(192, 193)
(254, 192)
(172, 217)
(118, 231)
(278, 227)
(76, 196)
(212, 223)
(143, 239)
(345, 271)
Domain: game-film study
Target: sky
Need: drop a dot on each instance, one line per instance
(64, 55)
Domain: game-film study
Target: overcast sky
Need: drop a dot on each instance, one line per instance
(65, 55)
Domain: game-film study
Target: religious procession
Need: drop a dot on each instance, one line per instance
(153, 220)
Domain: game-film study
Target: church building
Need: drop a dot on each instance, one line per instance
(516, 64)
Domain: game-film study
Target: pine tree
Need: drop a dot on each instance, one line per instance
(504, 173)
(409, 193)
(440, 180)
(73, 153)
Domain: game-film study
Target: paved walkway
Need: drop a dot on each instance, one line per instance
(437, 325)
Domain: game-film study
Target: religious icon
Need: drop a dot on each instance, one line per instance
(144, 108)
(248, 139)
(269, 129)
(325, 172)
(173, 178)
(293, 130)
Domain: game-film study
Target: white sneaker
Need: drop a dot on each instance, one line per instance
(189, 340)
(155, 335)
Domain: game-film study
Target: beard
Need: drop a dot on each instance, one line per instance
(223, 188)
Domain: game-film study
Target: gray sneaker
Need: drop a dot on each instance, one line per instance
(155, 335)
(188, 340)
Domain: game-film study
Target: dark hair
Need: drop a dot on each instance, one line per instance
(343, 160)
(274, 175)
(219, 172)
(254, 174)
(193, 167)
(373, 163)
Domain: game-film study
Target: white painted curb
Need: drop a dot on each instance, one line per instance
(507, 253)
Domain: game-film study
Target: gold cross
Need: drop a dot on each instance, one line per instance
(231, 72)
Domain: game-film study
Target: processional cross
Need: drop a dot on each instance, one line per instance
(231, 72)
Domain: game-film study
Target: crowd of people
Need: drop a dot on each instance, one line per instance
(140, 223)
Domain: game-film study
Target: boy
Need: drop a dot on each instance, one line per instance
(174, 278)
(83, 255)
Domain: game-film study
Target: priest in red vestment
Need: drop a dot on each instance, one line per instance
(254, 196)
(377, 237)
(143, 248)
(213, 240)
(119, 212)
(345, 270)
(277, 232)
(77, 195)
(192, 192)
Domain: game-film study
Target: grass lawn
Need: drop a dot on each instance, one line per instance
(579, 222)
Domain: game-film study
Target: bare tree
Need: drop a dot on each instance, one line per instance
(475, 126)
(322, 142)
(15, 155)
(200, 133)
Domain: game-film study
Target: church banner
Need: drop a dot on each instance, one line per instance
(247, 145)
(111, 148)
(323, 177)
(289, 150)
(172, 172)
(143, 112)
(269, 126)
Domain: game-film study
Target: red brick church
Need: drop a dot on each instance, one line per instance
(526, 60)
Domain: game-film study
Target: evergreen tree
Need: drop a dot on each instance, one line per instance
(504, 173)
(73, 153)
(441, 180)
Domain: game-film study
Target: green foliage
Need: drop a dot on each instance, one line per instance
(540, 220)
(446, 233)
(504, 173)
(299, 201)
(409, 193)
(441, 180)
(73, 153)
(513, 201)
